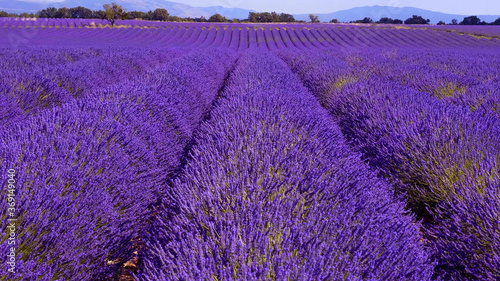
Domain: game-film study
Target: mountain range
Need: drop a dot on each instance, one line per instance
(402, 13)
(184, 10)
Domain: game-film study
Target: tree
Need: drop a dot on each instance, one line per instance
(3, 14)
(24, 15)
(265, 17)
(385, 20)
(472, 20)
(100, 14)
(270, 17)
(63, 13)
(217, 18)
(334, 21)
(252, 17)
(441, 22)
(397, 21)
(314, 18)
(275, 17)
(148, 15)
(175, 19)
(113, 12)
(454, 22)
(286, 18)
(160, 14)
(365, 20)
(416, 20)
(48, 13)
(136, 15)
(81, 13)
(496, 22)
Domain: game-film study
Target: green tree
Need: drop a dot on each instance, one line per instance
(148, 15)
(175, 19)
(441, 23)
(496, 22)
(63, 13)
(386, 20)
(334, 21)
(454, 22)
(416, 20)
(160, 14)
(472, 20)
(270, 17)
(80, 13)
(3, 14)
(286, 18)
(252, 17)
(364, 20)
(114, 12)
(314, 18)
(264, 17)
(48, 13)
(135, 15)
(217, 18)
(275, 17)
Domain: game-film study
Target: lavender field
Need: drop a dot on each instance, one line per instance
(217, 151)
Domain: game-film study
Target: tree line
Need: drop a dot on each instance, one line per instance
(113, 12)
(472, 20)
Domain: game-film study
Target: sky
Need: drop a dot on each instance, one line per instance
(465, 7)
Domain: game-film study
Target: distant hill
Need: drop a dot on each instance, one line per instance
(183, 10)
(377, 12)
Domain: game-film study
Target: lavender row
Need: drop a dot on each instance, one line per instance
(33, 84)
(475, 30)
(493, 31)
(444, 158)
(470, 79)
(272, 191)
(244, 36)
(43, 57)
(88, 171)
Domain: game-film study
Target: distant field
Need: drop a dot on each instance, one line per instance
(198, 151)
(481, 30)
(243, 36)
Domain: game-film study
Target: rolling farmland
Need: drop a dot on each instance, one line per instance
(207, 151)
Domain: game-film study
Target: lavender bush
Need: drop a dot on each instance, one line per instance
(431, 151)
(97, 165)
(272, 191)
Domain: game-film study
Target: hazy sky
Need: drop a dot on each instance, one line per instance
(465, 7)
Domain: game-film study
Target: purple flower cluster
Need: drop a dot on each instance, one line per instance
(90, 169)
(272, 191)
(444, 158)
